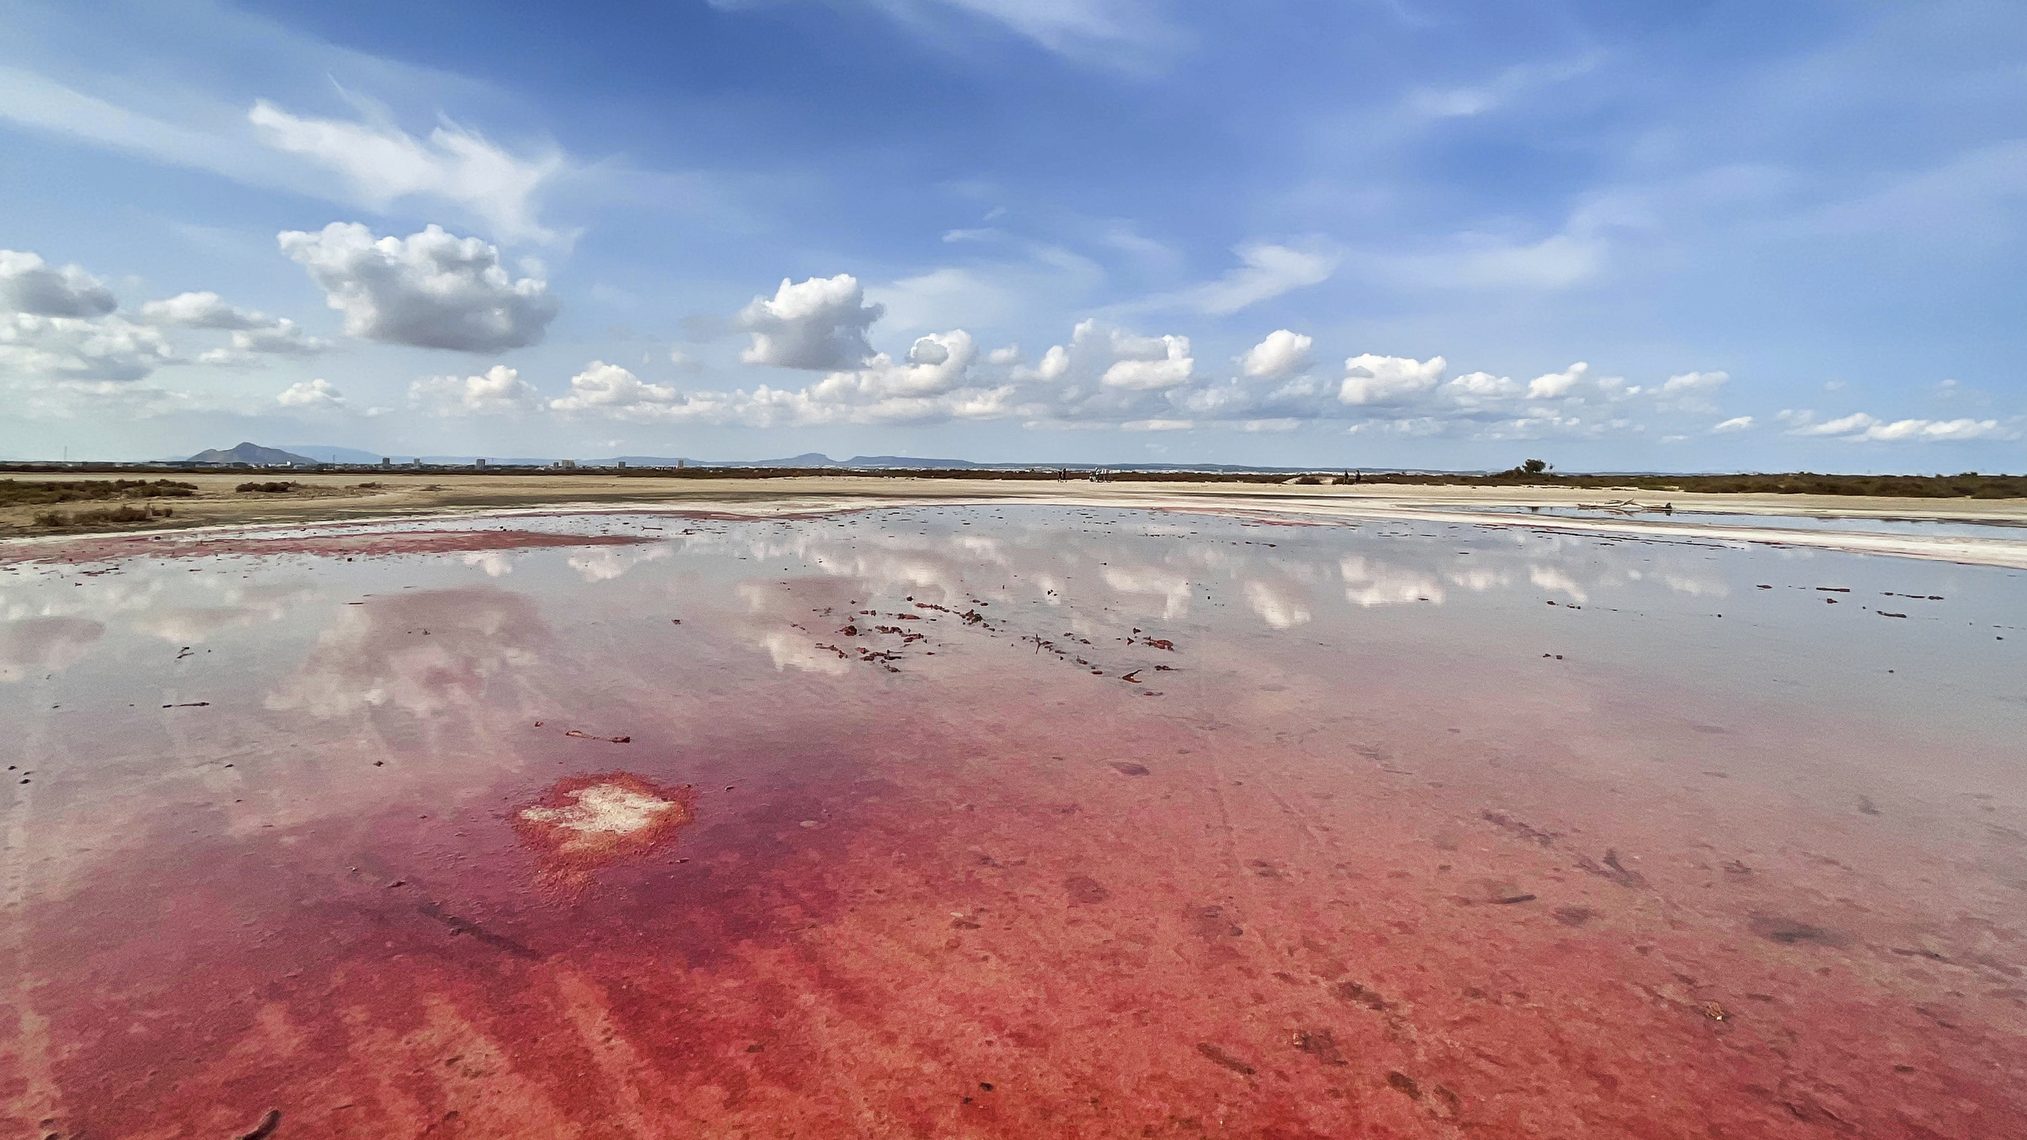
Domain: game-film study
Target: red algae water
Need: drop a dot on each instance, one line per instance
(1021, 822)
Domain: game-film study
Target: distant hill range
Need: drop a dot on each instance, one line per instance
(817, 459)
(254, 455)
(313, 454)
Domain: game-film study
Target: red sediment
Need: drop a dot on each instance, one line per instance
(875, 935)
(1005, 901)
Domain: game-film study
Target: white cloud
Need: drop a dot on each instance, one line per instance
(430, 289)
(1842, 425)
(1863, 427)
(1934, 431)
(1265, 271)
(1054, 365)
(1693, 391)
(282, 338)
(1370, 379)
(201, 311)
(1474, 387)
(498, 390)
(936, 364)
(1555, 385)
(1145, 363)
(1496, 92)
(1477, 261)
(1283, 353)
(253, 334)
(311, 395)
(1008, 356)
(1018, 286)
(73, 348)
(384, 164)
(1127, 35)
(1685, 382)
(613, 390)
(953, 292)
(820, 323)
(32, 286)
(1735, 423)
(930, 386)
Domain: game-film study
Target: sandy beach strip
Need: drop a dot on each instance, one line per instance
(330, 499)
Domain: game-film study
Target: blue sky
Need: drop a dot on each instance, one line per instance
(1694, 235)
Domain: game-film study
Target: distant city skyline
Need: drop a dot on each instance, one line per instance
(1429, 233)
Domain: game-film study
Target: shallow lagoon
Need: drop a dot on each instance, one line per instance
(1012, 821)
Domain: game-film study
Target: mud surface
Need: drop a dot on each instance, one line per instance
(319, 541)
(1012, 821)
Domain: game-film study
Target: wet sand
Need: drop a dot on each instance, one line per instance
(1845, 521)
(1010, 820)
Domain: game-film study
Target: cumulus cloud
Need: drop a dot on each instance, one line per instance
(1370, 379)
(1053, 366)
(1554, 385)
(311, 395)
(384, 164)
(615, 391)
(201, 311)
(1146, 363)
(109, 348)
(498, 390)
(1283, 353)
(935, 364)
(1683, 383)
(282, 338)
(430, 289)
(253, 334)
(31, 286)
(816, 324)
(932, 383)
(1479, 387)
(1693, 391)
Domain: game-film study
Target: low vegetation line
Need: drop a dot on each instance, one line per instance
(35, 492)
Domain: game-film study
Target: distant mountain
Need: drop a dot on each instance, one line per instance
(327, 453)
(255, 454)
(809, 460)
(895, 462)
(806, 459)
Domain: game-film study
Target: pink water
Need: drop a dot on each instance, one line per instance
(1098, 823)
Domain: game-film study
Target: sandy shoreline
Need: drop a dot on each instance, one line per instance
(339, 500)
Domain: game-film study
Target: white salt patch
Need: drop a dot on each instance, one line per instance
(605, 809)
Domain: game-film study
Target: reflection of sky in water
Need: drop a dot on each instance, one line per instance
(1396, 588)
(1380, 726)
(1930, 528)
